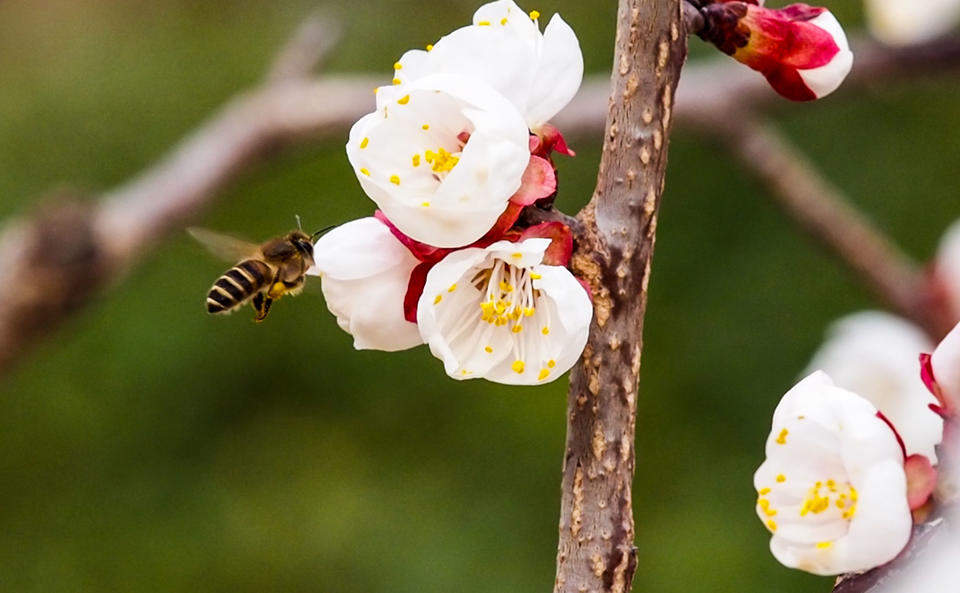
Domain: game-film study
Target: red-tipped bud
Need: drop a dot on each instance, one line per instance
(801, 50)
(941, 373)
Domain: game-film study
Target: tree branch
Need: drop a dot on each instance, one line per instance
(826, 214)
(596, 550)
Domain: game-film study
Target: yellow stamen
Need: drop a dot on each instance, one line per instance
(425, 127)
(781, 478)
(516, 255)
(488, 350)
(397, 66)
(437, 300)
(404, 100)
(395, 180)
(782, 439)
(551, 363)
(503, 21)
(534, 15)
(365, 171)
(824, 545)
(518, 366)
(772, 525)
(765, 491)
(535, 276)
(545, 331)
(452, 288)
(364, 142)
(425, 204)
(396, 81)
(484, 23)
(416, 160)
(441, 161)
(429, 47)
(544, 373)
(517, 329)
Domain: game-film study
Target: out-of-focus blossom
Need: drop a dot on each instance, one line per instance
(941, 372)
(947, 267)
(801, 50)
(832, 491)
(510, 313)
(874, 355)
(904, 22)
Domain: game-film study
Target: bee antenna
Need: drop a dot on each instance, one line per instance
(320, 233)
(299, 224)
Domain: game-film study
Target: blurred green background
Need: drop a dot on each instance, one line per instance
(148, 447)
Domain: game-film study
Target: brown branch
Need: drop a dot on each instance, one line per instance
(596, 550)
(826, 214)
(58, 259)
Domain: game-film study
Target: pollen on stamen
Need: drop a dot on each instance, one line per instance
(416, 160)
(529, 311)
(425, 127)
(544, 373)
(764, 491)
(517, 329)
(503, 21)
(484, 24)
(437, 300)
(425, 204)
(396, 81)
(488, 350)
(535, 276)
(518, 366)
(781, 478)
(452, 288)
(429, 47)
(364, 142)
(545, 331)
(517, 255)
(404, 100)
(395, 179)
(551, 363)
(782, 437)
(772, 525)
(365, 171)
(534, 14)
(397, 66)
(824, 545)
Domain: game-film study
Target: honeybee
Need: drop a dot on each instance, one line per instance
(263, 274)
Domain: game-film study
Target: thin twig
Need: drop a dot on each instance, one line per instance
(306, 50)
(827, 215)
(596, 549)
(57, 260)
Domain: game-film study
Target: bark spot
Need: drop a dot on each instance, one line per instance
(576, 515)
(614, 342)
(599, 442)
(645, 155)
(598, 565)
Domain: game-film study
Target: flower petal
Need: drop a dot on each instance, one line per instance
(558, 76)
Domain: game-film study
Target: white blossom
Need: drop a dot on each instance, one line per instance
(945, 367)
(441, 157)
(947, 266)
(875, 355)
(500, 314)
(904, 22)
(538, 72)
(832, 490)
(364, 271)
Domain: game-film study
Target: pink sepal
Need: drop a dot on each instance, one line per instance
(561, 241)
(921, 480)
(539, 181)
(549, 140)
(418, 279)
(586, 287)
(945, 410)
(903, 447)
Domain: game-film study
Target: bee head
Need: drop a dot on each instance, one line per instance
(302, 241)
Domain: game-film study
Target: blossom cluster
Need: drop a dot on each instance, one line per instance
(853, 454)
(459, 145)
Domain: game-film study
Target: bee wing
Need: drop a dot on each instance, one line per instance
(223, 246)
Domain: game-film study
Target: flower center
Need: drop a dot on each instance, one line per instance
(441, 162)
(509, 295)
(823, 496)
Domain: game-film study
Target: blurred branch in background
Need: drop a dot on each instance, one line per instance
(53, 261)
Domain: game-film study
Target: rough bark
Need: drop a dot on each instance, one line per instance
(596, 550)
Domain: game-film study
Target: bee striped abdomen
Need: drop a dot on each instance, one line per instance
(237, 286)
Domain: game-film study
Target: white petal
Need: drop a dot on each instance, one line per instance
(518, 22)
(948, 264)
(364, 273)
(827, 78)
(559, 74)
(875, 355)
(904, 22)
(946, 365)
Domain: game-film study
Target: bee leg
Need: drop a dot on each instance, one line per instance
(261, 305)
(276, 291)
